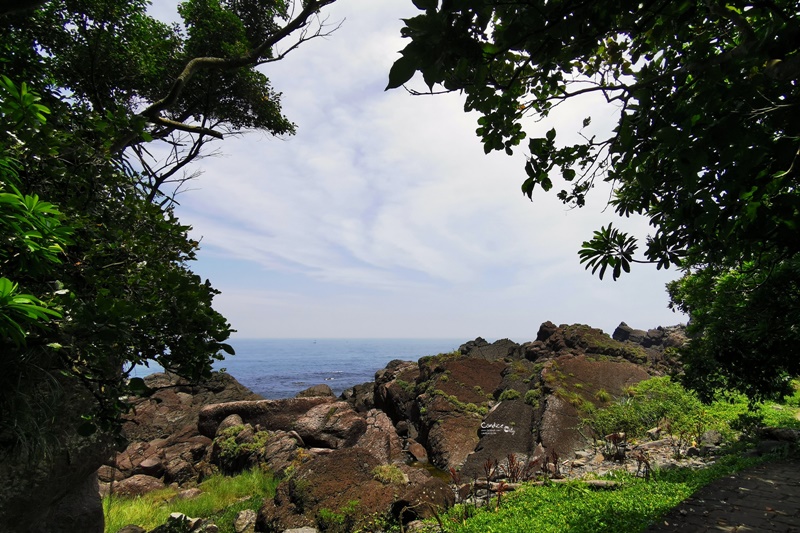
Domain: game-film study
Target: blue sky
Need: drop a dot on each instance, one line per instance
(382, 217)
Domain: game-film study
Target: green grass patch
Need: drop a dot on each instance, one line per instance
(575, 508)
(222, 499)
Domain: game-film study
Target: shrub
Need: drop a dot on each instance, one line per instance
(509, 394)
(602, 396)
(342, 522)
(388, 475)
(532, 397)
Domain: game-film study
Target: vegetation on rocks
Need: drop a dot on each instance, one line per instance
(221, 499)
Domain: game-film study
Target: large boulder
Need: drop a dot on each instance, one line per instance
(458, 392)
(496, 351)
(176, 403)
(346, 490)
(329, 425)
(162, 431)
(381, 438)
(268, 414)
(507, 430)
(571, 385)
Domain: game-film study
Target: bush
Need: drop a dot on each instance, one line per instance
(389, 474)
(509, 394)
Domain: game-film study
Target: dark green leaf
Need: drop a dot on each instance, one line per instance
(402, 71)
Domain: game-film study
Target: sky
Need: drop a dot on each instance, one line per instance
(383, 218)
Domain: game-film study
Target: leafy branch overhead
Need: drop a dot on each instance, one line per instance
(705, 145)
(706, 139)
(180, 86)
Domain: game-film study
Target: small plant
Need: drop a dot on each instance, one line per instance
(602, 396)
(509, 394)
(300, 493)
(342, 522)
(389, 475)
(532, 397)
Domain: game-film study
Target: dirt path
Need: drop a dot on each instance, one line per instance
(765, 498)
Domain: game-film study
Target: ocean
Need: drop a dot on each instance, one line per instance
(280, 368)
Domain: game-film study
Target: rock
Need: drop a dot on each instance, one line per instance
(317, 390)
(331, 425)
(381, 439)
(137, 485)
(361, 397)
(780, 434)
(421, 501)
(711, 437)
(228, 422)
(333, 482)
(177, 403)
(506, 430)
(558, 428)
(188, 494)
(282, 451)
(395, 393)
(245, 521)
(417, 451)
(107, 474)
(132, 528)
(151, 466)
(546, 330)
(271, 415)
(458, 389)
(497, 351)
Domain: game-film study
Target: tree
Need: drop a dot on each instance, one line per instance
(706, 141)
(96, 275)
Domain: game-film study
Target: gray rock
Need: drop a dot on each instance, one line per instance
(137, 485)
(317, 390)
(245, 521)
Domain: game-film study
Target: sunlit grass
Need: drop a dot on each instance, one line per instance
(222, 498)
(575, 508)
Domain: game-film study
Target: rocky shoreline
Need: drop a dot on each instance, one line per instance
(503, 402)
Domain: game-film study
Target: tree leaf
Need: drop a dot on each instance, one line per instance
(402, 71)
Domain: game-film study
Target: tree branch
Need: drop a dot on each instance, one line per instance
(153, 112)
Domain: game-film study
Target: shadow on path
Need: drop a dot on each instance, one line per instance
(765, 498)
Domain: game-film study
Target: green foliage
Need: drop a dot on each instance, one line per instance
(633, 506)
(236, 453)
(389, 475)
(654, 402)
(222, 499)
(96, 274)
(705, 146)
(343, 521)
(744, 327)
(602, 396)
(509, 394)
(533, 396)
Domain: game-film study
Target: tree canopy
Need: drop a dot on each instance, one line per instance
(102, 109)
(705, 144)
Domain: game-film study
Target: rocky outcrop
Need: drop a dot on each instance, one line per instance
(346, 490)
(175, 404)
(162, 430)
(483, 405)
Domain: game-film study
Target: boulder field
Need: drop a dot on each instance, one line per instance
(388, 447)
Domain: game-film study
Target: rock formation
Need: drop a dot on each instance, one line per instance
(364, 454)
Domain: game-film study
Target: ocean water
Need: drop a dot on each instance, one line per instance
(280, 368)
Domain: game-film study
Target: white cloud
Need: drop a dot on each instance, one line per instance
(382, 217)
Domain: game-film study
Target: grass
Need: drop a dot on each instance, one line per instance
(575, 508)
(222, 499)
(570, 507)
